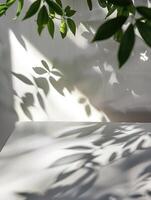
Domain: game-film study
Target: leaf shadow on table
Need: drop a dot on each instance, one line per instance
(95, 165)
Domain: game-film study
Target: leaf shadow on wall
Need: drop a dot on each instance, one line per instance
(123, 95)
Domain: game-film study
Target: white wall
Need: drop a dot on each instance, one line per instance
(91, 69)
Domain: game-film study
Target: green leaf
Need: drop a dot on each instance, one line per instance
(59, 2)
(42, 19)
(3, 9)
(144, 11)
(148, 22)
(52, 13)
(51, 27)
(23, 78)
(3, 6)
(42, 83)
(41, 101)
(39, 70)
(111, 11)
(44, 63)
(109, 5)
(145, 31)
(126, 45)
(10, 2)
(71, 25)
(19, 7)
(63, 28)
(89, 2)
(132, 9)
(2, 12)
(120, 2)
(56, 7)
(26, 111)
(102, 3)
(69, 12)
(123, 11)
(109, 28)
(118, 35)
(32, 9)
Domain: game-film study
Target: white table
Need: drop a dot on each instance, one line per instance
(77, 161)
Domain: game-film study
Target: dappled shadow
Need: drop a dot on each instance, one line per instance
(77, 161)
(123, 95)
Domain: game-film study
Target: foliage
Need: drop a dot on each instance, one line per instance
(126, 14)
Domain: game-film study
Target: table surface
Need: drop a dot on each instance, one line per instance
(77, 161)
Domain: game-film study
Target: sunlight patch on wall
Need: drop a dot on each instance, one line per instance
(71, 106)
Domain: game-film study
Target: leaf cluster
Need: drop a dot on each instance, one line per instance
(46, 12)
(126, 14)
(127, 21)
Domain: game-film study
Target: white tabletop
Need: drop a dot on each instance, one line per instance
(76, 161)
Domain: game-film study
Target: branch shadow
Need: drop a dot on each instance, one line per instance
(92, 161)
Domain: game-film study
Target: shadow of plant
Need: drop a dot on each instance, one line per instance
(46, 77)
(40, 83)
(121, 142)
(90, 151)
